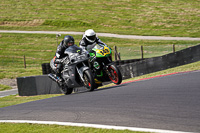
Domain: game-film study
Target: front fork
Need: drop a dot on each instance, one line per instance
(107, 71)
(81, 73)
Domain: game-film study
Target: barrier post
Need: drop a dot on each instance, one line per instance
(115, 52)
(142, 52)
(24, 61)
(174, 50)
(117, 55)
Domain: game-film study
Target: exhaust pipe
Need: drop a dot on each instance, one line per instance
(51, 76)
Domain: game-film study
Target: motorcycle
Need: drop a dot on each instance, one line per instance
(102, 66)
(76, 70)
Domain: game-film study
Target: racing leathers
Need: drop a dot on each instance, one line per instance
(56, 64)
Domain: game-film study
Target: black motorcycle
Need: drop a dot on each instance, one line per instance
(76, 70)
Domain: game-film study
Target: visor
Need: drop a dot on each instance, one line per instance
(92, 38)
(70, 43)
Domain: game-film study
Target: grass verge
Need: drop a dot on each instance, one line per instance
(39, 128)
(15, 99)
(4, 87)
(40, 48)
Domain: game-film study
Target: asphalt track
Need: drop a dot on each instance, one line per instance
(170, 103)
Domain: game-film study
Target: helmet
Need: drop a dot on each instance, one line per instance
(90, 35)
(68, 40)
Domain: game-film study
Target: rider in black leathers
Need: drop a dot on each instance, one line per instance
(89, 40)
(64, 44)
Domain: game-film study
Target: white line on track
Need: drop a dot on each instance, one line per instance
(92, 126)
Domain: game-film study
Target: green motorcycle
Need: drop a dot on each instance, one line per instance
(102, 67)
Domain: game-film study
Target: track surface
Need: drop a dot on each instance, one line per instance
(169, 103)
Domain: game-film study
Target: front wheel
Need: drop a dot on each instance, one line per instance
(114, 74)
(88, 80)
(64, 89)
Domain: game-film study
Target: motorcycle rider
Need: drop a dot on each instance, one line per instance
(57, 60)
(89, 40)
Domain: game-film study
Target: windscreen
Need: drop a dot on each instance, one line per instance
(73, 49)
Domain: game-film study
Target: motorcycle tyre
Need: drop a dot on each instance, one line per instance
(65, 90)
(88, 74)
(117, 73)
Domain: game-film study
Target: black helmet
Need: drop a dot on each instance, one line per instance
(68, 40)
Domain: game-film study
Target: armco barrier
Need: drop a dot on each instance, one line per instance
(37, 85)
(150, 65)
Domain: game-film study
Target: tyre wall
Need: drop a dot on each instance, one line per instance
(37, 85)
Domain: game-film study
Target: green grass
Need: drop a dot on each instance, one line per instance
(39, 128)
(4, 87)
(40, 48)
(138, 17)
(15, 99)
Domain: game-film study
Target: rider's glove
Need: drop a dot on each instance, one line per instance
(58, 61)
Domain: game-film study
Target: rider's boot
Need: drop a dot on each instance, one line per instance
(59, 79)
(98, 82)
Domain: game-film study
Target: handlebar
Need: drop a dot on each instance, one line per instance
(60, 61)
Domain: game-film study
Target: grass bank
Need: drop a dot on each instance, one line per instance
(36, 49)
(137, 17)
(4, 87)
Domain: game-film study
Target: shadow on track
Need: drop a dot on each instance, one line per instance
(100, 89)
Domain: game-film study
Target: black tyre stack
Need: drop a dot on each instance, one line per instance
(46, 69)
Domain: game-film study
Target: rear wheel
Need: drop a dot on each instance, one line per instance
(114, 74)
(89, 82)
